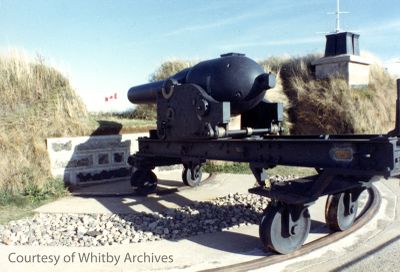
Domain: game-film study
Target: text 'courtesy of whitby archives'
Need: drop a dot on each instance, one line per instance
(89, 257)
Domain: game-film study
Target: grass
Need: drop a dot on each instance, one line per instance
(37, 102)
(16, 206)
(117, 123)
(13, 212)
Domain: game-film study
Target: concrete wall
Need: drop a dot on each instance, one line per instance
(354, 69)
(92, 159)
(358, 74)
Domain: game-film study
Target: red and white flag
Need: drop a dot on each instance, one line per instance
(111, 97)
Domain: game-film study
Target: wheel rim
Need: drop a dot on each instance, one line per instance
(271, 230)
(187, 177)
(336, 216)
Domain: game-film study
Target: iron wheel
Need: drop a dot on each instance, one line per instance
(272, 230)
(187, 178)
(144, 181)
(340, 211)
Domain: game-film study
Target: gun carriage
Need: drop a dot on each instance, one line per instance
(194, 108)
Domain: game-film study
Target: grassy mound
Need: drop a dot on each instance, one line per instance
(331, 106)
(36, 102)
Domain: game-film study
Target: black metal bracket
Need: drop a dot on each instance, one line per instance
(305, 191)
(322, 181)
(259, 173)
(149, 163)
(291, 217)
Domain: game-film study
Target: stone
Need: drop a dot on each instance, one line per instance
(153, 225)
(125, 241)
(136, 239)
(109, 225)
(81, 230)
(354, 69)
(93, 233)
(99, 230)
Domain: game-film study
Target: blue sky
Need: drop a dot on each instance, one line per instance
(108, 46)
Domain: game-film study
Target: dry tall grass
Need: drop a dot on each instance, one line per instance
(169, 68)
(36, 102)
(331, 106)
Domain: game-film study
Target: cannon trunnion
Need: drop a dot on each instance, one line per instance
(194, 109)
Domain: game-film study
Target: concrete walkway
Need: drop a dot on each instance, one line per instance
(171, 193)
(211, 250)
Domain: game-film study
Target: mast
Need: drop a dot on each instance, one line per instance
(337, 14)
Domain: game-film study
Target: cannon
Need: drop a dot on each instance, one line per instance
(232, 78)
(194, 109)
(198, 102)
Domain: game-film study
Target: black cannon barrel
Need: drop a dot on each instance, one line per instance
(146, 93)
(232, 77)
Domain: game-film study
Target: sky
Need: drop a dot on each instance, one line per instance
(104, 47)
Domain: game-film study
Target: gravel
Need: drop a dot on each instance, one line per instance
(224, 213)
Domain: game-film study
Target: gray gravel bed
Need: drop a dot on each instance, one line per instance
(224, 213)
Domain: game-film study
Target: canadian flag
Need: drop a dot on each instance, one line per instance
(107, 98)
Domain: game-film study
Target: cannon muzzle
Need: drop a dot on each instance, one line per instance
(146, 93)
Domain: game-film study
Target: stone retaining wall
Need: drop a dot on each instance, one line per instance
(91, 159)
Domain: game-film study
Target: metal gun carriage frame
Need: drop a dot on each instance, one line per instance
(192, 127)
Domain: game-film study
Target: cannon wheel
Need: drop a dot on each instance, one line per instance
(272, 227)
(187, 178)
(341, 211)
(144, 181)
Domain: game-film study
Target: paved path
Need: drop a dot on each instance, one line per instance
(171, 193)
(357, 252)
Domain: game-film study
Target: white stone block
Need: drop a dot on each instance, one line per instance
(354, 69)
